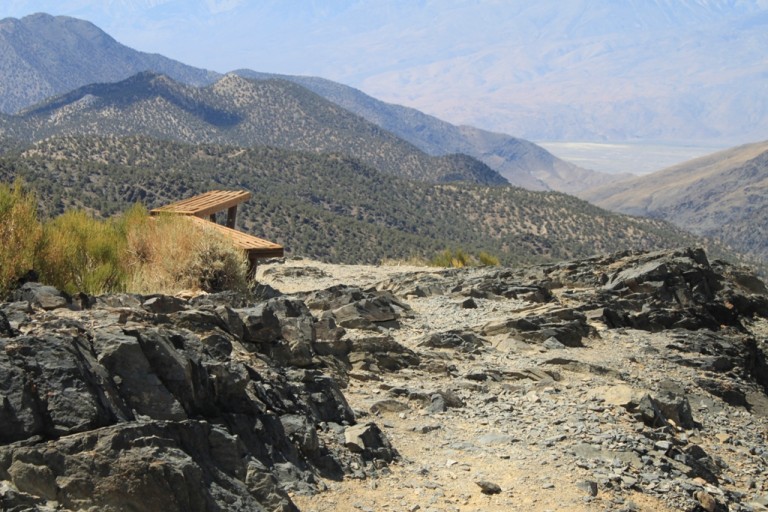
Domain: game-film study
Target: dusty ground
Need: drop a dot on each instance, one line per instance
(528, 435)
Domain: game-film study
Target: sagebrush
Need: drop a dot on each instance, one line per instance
(20, 232)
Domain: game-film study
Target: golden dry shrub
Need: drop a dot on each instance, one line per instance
(171, 253)
(459, 258)
(20, 232)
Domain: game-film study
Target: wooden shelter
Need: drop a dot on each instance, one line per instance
(203, 209)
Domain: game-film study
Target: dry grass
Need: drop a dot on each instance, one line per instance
(170, 253)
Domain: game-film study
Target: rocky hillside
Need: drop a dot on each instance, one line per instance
(43, 56)
(330, 207)
(521, 162)
(241, 112)
(722, 196)
(628, 382)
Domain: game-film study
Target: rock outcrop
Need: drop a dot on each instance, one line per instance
(151, 403)
(635, 381)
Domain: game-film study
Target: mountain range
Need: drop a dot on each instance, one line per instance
(241, 112)
(43, 56)
(521, 162)
(581, 70)
(70, 53)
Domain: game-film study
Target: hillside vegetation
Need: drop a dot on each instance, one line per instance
(69, 53)
(242, 112)
(721, 196)
(330, 207)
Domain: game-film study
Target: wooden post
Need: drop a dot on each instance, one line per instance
(232, 217)
(252, 264)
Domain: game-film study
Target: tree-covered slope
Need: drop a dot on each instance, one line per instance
(521, 162)
(330, 207)
(242, 112)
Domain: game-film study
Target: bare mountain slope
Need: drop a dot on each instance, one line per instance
(672, 70)
(723, 195)
(42, 55)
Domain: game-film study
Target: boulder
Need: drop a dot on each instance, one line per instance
(41, 296)
(142, 399)
(368, 440)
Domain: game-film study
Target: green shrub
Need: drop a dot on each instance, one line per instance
(79, 253)
(217, 265)
(487, 259)
(20, 232)
(442, 259)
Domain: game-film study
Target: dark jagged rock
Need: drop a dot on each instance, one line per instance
(460, 340)
(220, 403)
(379, 353)
(353, 308)
(566, 326)
(368, 440)
(667, 290)
(141, 399)
(5, 326)
(41, 296)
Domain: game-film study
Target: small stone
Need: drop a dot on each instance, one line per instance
(724, 438)
(552, 343)
(588, 486)
(487, 487)
(628, 481)
(706, 501)
(437, 404)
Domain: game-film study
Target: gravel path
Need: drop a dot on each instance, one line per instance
(545, 425)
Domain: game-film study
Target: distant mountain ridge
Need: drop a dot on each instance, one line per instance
(722, 196)
(239, 112)
(71, 53)
(523, 163)
(678, 71)
(42, 56)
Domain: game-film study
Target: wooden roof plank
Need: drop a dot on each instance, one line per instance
(205, 204)
(251, 244)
